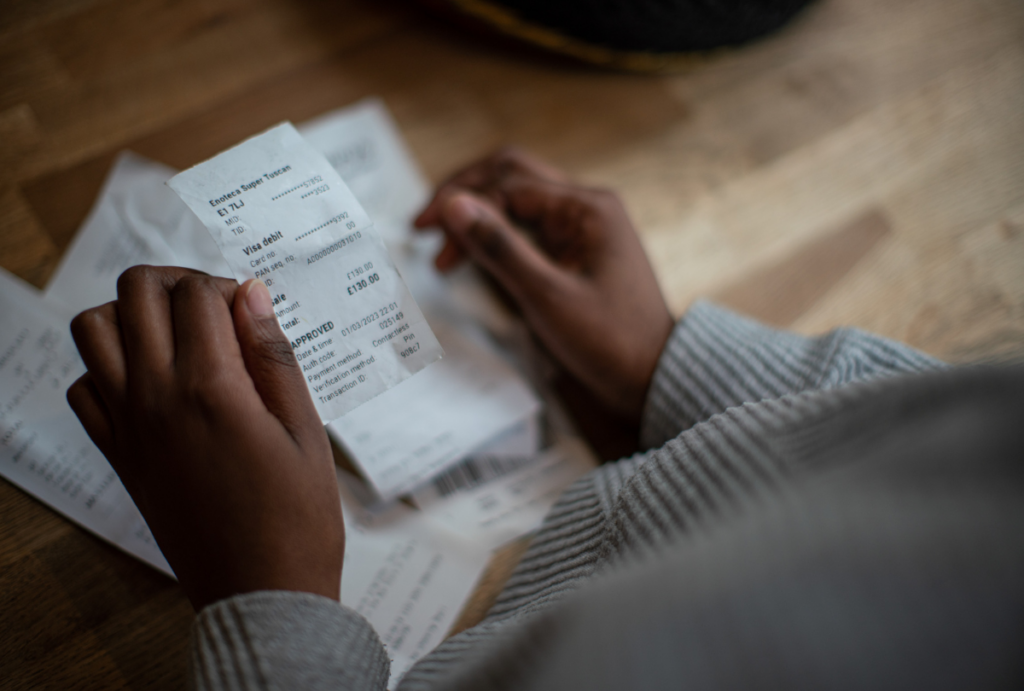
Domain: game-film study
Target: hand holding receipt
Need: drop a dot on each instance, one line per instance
(280, 213)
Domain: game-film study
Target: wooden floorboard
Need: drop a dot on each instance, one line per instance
(863, 167)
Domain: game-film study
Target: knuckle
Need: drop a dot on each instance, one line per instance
(88, 321)
(192, 282)
(136, 278)
(193, 286)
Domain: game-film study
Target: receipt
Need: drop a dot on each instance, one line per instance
(364, 145)
(455, 406)
(406, 435)
(135, 220)
(279, 212)
(492, 500)
(409, 577)
(43, 447)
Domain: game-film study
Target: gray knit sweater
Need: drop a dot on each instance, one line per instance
(803, 518)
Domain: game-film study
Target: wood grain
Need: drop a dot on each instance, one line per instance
(865, 166)
(778, 294)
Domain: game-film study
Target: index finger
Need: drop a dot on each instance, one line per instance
(144, 315)
(97, 335)
(484, 177)
(204, 330)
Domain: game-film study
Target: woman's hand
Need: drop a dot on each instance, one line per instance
(195, 398)
(569, 257)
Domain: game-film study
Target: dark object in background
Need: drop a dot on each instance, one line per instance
(628, 34)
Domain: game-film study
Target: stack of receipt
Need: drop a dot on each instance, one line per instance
(472, 440)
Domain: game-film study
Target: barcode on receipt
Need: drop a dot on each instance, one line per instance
(476, 471)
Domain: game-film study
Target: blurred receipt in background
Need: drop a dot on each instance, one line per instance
(279, 212)
(43, 448)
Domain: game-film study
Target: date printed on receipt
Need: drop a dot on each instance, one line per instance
(280, 213)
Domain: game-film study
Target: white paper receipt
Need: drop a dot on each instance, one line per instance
(279, 212)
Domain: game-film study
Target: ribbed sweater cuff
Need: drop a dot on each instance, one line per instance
(716, 359)
(284, 640)
(665, 415)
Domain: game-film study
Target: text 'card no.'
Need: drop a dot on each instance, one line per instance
(280, 213)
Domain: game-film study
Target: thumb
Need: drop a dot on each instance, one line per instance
(486, 235)
(269, 358)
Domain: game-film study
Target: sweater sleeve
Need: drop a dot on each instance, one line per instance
(284, 640)
(716, 359)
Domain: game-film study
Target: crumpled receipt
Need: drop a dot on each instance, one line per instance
(280, 213)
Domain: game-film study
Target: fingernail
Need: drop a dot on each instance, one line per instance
(461, 212)
(257, 299)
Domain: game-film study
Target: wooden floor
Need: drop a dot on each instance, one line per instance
(864, 167)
